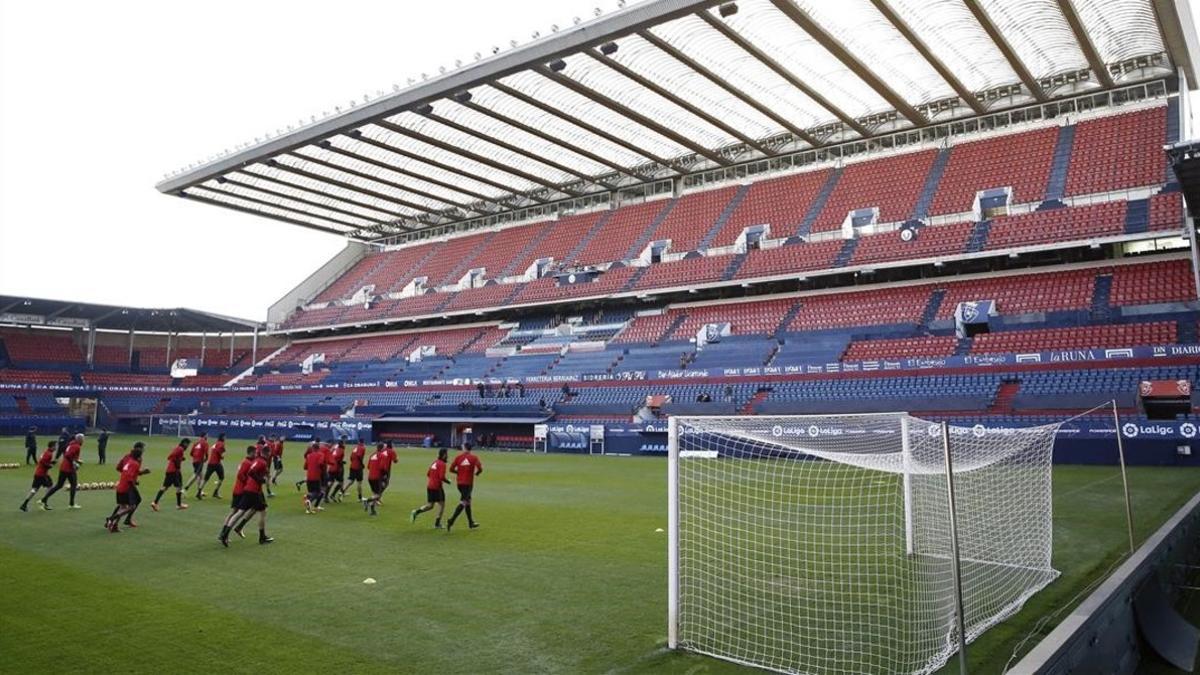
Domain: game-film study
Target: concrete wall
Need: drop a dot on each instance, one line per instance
(317, 281)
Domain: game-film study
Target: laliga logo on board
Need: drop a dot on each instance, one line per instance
(1187, 430)
(814, 431)
(933, 429)
(1130, 430)
(979, 431)
(777, 431)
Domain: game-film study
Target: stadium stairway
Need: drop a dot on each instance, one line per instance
(532, 246)
(787, 319)
(846, 253)
(931, 183)
(1186, 332)
(734, 266)
(587, 238)
(962, 347)
(1101, 309)
(407, 277)
(674, 325)
(1056, 187)
(758, 397)
(648, 234)
(1003, 403)
(979, 236)
(818, 204)
(932, 307)
(1137, 216)
(462, 267)
(724, 217)
(633, 280)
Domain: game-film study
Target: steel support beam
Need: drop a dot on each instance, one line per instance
(366, 176)
(582, 124)
(319, 193)
(839, 51)
(276, 164)
(350, 154)
(677, 100)
(283, 195)
(628, 113)
(1178, 30)
(273, 205)
(463, 129)
(923, 49)
(1010, 54)
(735, 91)
(283, 219)
(401, 152)
(779, 69)
(473, 156)
(560, 142)
(1085, 42)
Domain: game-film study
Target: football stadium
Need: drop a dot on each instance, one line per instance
(787, 335)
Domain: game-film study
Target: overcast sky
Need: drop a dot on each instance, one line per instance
(99, 99)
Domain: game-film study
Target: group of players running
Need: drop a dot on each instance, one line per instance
(325, 479)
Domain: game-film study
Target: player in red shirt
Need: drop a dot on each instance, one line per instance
(251, 500)
(313, 446)
(67, 472)
(337, 470)
(378, 465)
(435, 494)
(128, 498)
(466, 466)
(358, 457)
(239, 483)
(214, 467)
(314, 475)
(136, 496)
(276, 445)
(41, 474)
(173, 478)
(199, 457)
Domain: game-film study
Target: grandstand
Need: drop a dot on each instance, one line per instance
(761, 207)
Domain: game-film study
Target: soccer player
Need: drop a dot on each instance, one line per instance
(127, 492)
(199, 456)
(136, 496)
(64, 439)
(466, 466)
(31, 446)
(214, 467)
(387, 471)
(173, 478)
(251, 500)
(239, 483)
(377, 466)
(314, 474)
(276, 444)
(102, 445)
(313, 446)
(67, 472)
(357, 456)
(337, 470)
(41, 475)
(435, 494)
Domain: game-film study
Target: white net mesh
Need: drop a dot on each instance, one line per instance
(821, 544)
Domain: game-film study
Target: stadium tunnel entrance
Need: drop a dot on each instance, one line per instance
(515, 433)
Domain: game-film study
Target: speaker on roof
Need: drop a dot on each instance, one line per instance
(908, 233)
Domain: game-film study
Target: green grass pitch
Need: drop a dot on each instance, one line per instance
(567, 573)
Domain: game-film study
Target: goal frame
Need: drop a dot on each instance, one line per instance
(905, 420)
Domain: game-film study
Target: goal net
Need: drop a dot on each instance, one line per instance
(823, 544)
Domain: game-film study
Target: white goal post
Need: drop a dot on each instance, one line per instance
(838, 543)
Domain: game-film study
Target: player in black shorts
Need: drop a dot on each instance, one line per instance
(435, 494)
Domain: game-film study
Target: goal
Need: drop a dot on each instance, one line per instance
(837, 544)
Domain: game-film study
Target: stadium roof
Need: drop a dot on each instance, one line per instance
(21, 310)
(667, 87)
